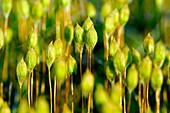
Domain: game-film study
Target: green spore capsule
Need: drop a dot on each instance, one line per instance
(50, 55)
(106, 9)
(111, 21)
(60, 70)
(23, 8)
(91, 10)
(114, 46)
(31, 59)
(159, 55)
(72, 65)
(6, 7)
(37, 10)
(148, 44)
(21, 71)
(136, 58)
(5, 108)
(42, 105)
(69, 33)
(156, 78)
(58, 45)
(127, 53)
(124, 14)
(1, 38)
(100, 95)
(145, 69)
(78, 34)
(87, 83)
(87, 24)
(132, 78)
(91, 38)
(119, 61)
(32, 39)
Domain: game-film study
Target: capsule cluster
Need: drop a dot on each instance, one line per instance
(73, 56)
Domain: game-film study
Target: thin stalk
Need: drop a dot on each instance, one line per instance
(5, 26)
(89, 102)
(67, 76)
(55, 90)
(147, 95)
(5, 64)
(120, 83)
(124, 93)
(67, 88)
(29, 79)
(1, 91)
(37, 86)
(139, 97)
(144, 98)
(20, 89)
(129, 102)
(106, 55)
(157, 94)
(32, 85)
(44, 22)
(49, 78)
(81, 79)
(72, 92)
(58, 97)
(9, 94)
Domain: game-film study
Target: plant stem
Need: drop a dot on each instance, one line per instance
(72, 92)
(106, 55)
(81, 79)
(89, 102)
(139, 97)
(29, 78)
(147, 95)
(5, 26)
(124, 93)
(67, 88)
(120, 83)
(129, 102)
(55, 88)
(9, 94)
(49, 78)
(20, 88)
(58, 97)
(157, 101)
(44, 22)
(1, 89)
(37, 86)
(32, 84)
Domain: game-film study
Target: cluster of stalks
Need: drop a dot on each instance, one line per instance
(65, 56)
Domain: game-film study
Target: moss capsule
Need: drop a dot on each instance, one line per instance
(148, 44)
(132, 78)
(91, 38)
(145, 69)
(159, 55)
(31, 59)
(156, 78)
(50, 55)
(87, 83)
(21, 71)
